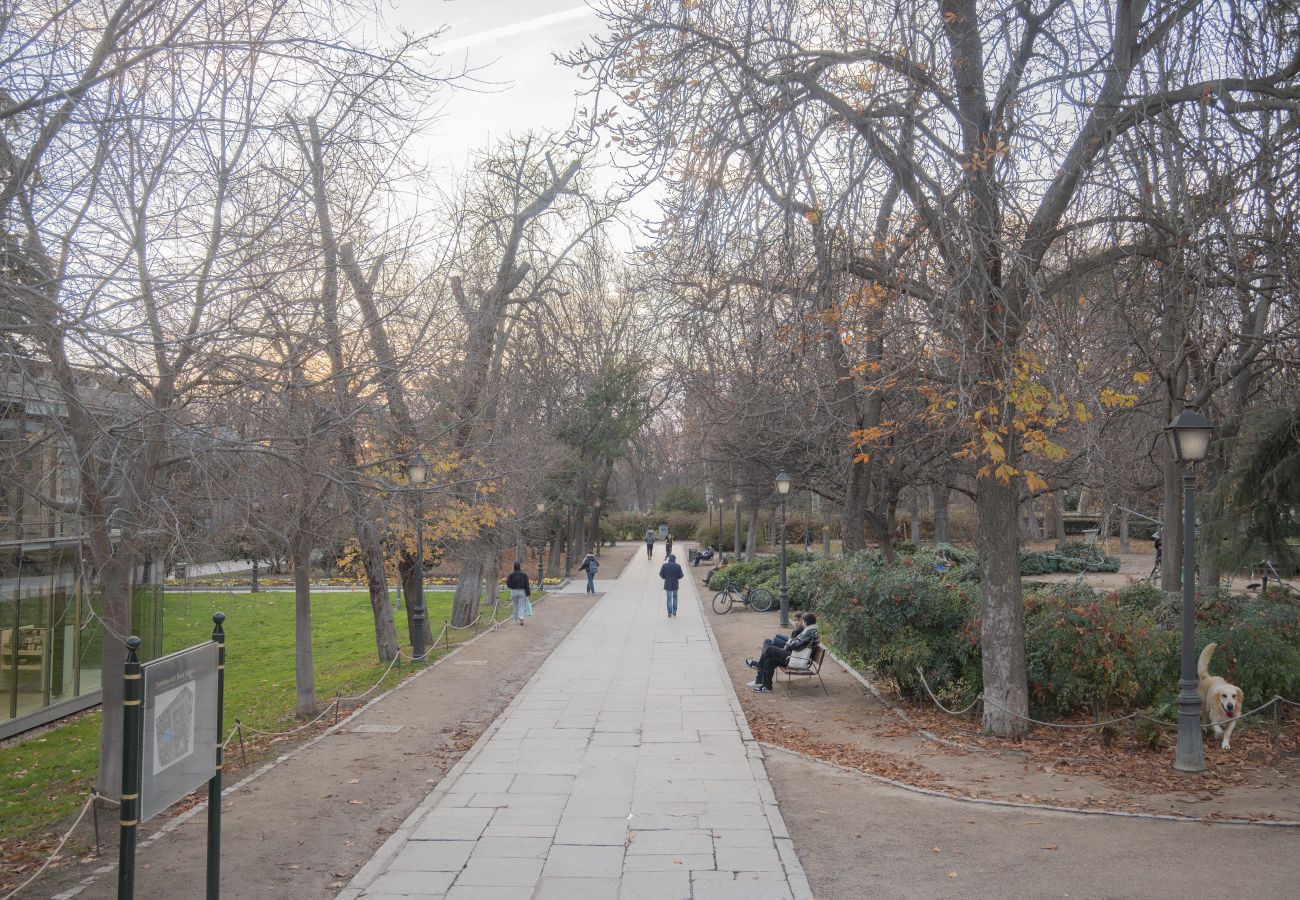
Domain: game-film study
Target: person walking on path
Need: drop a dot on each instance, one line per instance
(589, 565)
(649, 543)
(672, 575)
(668, 544)
(520, 591)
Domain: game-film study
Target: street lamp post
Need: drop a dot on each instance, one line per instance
(783, 488)
(708, 502)
(1189, 440)
(595, 525)
(417, 470)
(541, 546)
(735, 550)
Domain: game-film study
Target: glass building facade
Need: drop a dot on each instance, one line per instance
(51, 638)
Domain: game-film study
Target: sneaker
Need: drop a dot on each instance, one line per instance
(752, 684)
(752, 663)
(762, 689)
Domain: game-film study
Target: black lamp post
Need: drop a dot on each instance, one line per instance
(735, 550)
(783, 488)
(541, 546)
(417, 470)
(708, 502)
(1189, 440)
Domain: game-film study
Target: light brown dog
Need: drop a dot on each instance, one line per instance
(1220, 700)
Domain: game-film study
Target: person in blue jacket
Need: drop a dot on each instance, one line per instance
(672, 575)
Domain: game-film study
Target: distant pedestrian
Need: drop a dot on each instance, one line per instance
(668, 544)
(520, 591)
(649, 543)
(589, 565)
(672, 575)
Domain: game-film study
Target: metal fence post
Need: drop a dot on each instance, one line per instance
(214, 784)
(132, 691)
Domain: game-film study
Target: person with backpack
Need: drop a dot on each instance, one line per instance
(672, 575)
(590, 565)
(649, 543)
(520, 590)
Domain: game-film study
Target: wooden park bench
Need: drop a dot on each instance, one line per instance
(695, 557)
(814, 668)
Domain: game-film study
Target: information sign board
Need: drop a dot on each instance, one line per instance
(180, 726)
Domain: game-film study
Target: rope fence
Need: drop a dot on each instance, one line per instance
(1070, 726)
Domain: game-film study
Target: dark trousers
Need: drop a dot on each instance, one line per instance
(773, 658)
(779, 640)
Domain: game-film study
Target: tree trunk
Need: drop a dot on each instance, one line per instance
(115, 600)
(1058, 519)
(469, 586)
(939, 498)
(492, 584)
(1171, 530)
(915, 512)
(750, 551)
(1002, 613)
(303, 669)
(557, 547)
(1125, 545)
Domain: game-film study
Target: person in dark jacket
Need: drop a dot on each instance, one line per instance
(672, 575)
(774, 657)
(779, 639)
(590, 565)
(520, 590)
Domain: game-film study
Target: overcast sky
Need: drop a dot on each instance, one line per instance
(514, 40)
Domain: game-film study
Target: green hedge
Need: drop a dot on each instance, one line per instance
(896, 618)
(630, 526)
(1086, 650)
(1069, 558)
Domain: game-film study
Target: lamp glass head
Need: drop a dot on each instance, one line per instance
(1190, 434)
(783, 483)
(417, 469)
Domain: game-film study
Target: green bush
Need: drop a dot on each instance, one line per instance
(1259, 645)
(1070, 558)
(630, 526)
(1090, 651)
(901, 617)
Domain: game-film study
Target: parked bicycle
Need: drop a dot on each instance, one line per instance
(755, 598)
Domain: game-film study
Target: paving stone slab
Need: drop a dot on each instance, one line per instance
(623, 770)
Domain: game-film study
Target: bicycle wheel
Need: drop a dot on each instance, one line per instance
(761, 600)
(722, 602)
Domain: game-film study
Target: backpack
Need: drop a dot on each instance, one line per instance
(593, 565)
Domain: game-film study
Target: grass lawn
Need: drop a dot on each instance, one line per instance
(46, 779)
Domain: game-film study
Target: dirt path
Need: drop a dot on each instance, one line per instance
(1254, 780)
(303, 828)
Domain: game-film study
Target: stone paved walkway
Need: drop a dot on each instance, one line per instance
(624, 769)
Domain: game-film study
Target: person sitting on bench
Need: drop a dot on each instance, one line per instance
(774, 657)
(698, 555)
(779, 639)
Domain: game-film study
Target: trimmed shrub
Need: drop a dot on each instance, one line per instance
(1090, 651)
(896, 618)
(630, 526)
(1259, 644)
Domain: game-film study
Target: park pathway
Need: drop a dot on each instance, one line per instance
(624, 769)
